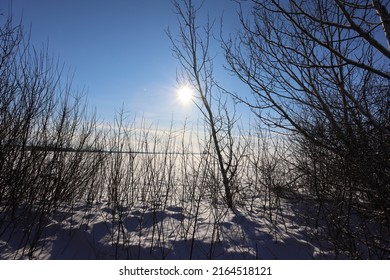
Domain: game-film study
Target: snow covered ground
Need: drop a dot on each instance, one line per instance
(192, 230)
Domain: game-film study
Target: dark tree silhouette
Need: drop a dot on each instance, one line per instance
(191, 48)
(320, 69)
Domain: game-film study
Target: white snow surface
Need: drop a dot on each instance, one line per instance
(183, 231)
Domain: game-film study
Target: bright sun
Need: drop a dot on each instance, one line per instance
(185, 94)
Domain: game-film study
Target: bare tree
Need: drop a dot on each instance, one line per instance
(321, 70)
(192, 48)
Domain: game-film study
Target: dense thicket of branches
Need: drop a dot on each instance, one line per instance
(320, 69)
(40, 122)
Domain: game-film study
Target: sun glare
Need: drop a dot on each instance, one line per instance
(185, 94)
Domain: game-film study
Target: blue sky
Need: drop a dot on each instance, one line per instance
(119, 51)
